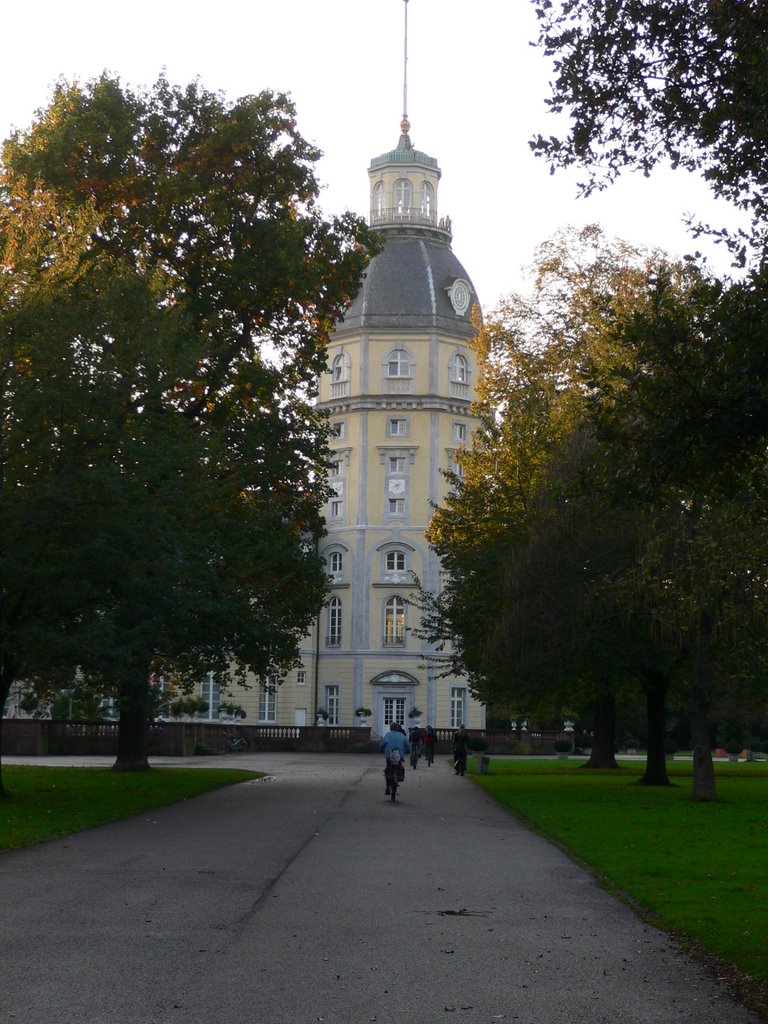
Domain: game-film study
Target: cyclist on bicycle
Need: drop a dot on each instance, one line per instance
(395, 742)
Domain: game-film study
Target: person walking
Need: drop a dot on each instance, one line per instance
(416, 739)
(460, 750)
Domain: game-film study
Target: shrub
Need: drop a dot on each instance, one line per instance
(561, 746)
(583, 740)
(630, 744)
(733, 747)
(670, 747)
(478, 743)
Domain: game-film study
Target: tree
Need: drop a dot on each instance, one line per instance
(169, 287)
(506, 612)
(683, 81)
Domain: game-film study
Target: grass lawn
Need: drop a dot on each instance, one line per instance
(697, 869)
(47, 803)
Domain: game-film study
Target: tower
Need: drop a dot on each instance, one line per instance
(398, 393)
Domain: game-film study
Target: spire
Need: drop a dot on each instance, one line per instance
(404, 142)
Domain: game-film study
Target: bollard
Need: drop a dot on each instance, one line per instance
(483, 764)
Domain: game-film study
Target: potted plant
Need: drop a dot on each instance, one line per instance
(230, 710)
(415, 714)
(562, 748)
(630, 745)
(363, 714)
(321, 716)
(670, 748)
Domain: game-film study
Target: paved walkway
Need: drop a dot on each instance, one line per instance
(308, 897)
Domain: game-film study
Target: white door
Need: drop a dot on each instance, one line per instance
(299, 716)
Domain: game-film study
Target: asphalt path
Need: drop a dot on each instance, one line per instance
(308, 896)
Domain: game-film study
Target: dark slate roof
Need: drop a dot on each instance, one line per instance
(405, 287)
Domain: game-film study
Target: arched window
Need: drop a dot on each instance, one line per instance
(333, 634)
(459, 369)
(340, 367)
(340, 374)
(336, 563)
(378, 204)
(394, 622)
(427, 200)
(398, 363)
(403, 195)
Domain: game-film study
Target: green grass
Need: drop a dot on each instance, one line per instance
(47, 803)
(699, 870)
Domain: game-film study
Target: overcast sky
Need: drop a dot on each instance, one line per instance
(476, 92)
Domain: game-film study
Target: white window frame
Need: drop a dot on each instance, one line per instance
(301, 677)
(459, 369)
(460, 432)
(268, 702)
(333, 704)
(458, 706)
(393, 710)
(394, 622)
(402, 195)
(333, 632)
(396, 506)
(337, 508)
(210, 690)
(397, 426)
(391, 558)
(396, 464)
(336, 563)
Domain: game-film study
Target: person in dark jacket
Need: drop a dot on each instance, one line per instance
(460, 750)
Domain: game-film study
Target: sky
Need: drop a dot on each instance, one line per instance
(476, 93)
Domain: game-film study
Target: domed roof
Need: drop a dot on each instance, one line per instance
(407, 285)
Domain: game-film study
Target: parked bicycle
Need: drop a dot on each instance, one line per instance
(232, 744)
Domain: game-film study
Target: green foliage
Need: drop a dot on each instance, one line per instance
(170, 287)
(669, 81)
(657, 846)
(48, 803)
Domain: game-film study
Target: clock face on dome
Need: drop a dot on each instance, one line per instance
(459, 294)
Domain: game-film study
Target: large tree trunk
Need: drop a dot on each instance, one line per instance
(134, 724)
(604, 738)
(655, 687)
(704, 787)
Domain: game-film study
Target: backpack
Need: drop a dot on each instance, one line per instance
(394, 757)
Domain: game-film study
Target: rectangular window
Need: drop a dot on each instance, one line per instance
(397, 464)
(301, 677)
(395, 561)
(460, 432)
(337, 508)
(333, 703)
(337, 467)
(458, 706)
(398, 426)
(396, 506)
(338, 428)
(211, 692)
(268, 702)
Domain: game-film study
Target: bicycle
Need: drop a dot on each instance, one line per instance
(232, 744)
(429, 753)
(393, 775)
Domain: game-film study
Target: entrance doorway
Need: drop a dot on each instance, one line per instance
(394, 711)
